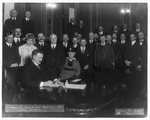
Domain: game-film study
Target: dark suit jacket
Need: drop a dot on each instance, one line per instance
(91, 47)
(33, 76)
(19, 43)
(28, 26)
(71, 29)
(132, 53)
(55, 59)
(12, 24)
(82, 31)
(120, 54)
(65, 49)
(104, 56)
(143, 54)
(84, 59)
(78, 46)
(10, 55)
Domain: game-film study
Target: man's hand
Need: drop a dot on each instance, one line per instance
(14, 65)
(128, 63)
(86, 67)
(47, 83)
(139, 67)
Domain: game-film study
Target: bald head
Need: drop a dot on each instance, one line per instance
(53, 39)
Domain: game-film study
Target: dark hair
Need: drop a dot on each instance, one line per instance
(36, 51)
(9, 33)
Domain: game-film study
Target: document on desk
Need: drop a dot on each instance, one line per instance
(76, 80)
(75, 86)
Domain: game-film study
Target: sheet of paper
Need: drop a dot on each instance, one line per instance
(76, 80)
(75, 86)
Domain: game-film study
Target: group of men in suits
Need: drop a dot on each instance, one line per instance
(100, 51)
(26, 24)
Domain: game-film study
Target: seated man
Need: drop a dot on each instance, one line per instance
(33, 73)
(71, 68)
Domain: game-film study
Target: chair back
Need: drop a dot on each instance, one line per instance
(13, 76)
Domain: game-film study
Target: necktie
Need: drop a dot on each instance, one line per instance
(10, 45)
(141, 43)
(17, 41)
(83, 50)
(53, 47)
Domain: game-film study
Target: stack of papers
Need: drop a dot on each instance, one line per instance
(76, 80)
(75, 86)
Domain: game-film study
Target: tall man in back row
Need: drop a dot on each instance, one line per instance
(55, 58)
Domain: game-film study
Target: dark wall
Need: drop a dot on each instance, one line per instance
(93, 15)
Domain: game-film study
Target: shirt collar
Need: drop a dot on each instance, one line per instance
(53, 45)
(9, 43)
(137, 30)
(41, 43)
(103, 44)
(72, 59)
(16, 39)
(114, 40)
(124, 29)
(91, 41)
(65, 43)
(13, 18)
(141, 40)
(34, 63)
(133, 42)
(27, 18)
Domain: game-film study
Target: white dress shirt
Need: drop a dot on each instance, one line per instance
(53, 46)
(132, 43)
(16, 39)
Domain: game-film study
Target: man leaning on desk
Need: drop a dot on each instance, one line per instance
(33, 74)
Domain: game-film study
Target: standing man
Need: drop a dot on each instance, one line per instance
(121, 46)
(75, 43)
(13, 22)
(65, 44)
(101, 31)
(83, 56)
(55, 58)
(72, 29)
(42, 46)
(132, 53)
(81, 29)
(11, 56)
(28, 24)
(17, 38)
(137, 30)
(143, 50)
(91, 45)
(126, 31)
(104, 55)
